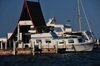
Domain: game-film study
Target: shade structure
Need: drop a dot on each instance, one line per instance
(30, 11)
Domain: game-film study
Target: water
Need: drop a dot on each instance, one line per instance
(67, 59)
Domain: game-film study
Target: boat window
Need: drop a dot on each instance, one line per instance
(80, 40)
(70, 41)
(89, 34)
(37, 41)
(85, 38)
(54, 35)
(61, 42)
(57, 29)
(67, 26)
(48, 41)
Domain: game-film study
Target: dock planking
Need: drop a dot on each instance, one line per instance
(26, 51)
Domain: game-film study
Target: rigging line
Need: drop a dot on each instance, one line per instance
(85, 15)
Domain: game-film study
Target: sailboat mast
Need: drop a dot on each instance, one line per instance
(79, 14)
(38, 0)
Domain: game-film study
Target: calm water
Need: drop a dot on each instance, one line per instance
(67, 59)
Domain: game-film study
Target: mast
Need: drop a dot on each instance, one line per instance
(79, 15)
(38, 1)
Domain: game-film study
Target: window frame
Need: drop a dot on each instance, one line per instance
(71, 41)
(47, 41)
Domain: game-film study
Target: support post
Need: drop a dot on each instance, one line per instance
(64, 44)
(6, 45)
(56, 46)
(14, 48)
(48, 45)
(1, 44)
(9, 44)
(33, 44)
(22, 44)
(40, 45)
(18, 32)
(98, 43)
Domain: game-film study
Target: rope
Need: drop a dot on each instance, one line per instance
(85, 15)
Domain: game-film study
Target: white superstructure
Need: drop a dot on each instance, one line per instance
(72, 44)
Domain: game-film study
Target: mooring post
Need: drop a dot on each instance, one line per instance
(1, 44)
(33, 44)
(14, 48)
(9, 44)
(6, 45)
(98, 43)
(56, 46)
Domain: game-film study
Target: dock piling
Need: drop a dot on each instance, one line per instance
(6, 45)
(18, 31)
(48, 45)
(33, 44)
(56, 46)
(1, 44)
(65, 46)
(40, 45)
(14, 48)
(98, 43)
(22, 44)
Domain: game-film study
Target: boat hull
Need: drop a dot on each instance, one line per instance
(80, 47)
(76, 48)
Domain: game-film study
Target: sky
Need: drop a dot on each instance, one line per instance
(63, 10)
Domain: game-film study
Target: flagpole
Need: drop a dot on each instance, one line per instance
(79, 15)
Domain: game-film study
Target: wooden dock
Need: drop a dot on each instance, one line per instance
(29, 51)
(32, 51)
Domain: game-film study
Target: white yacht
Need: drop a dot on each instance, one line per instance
(49, 39)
